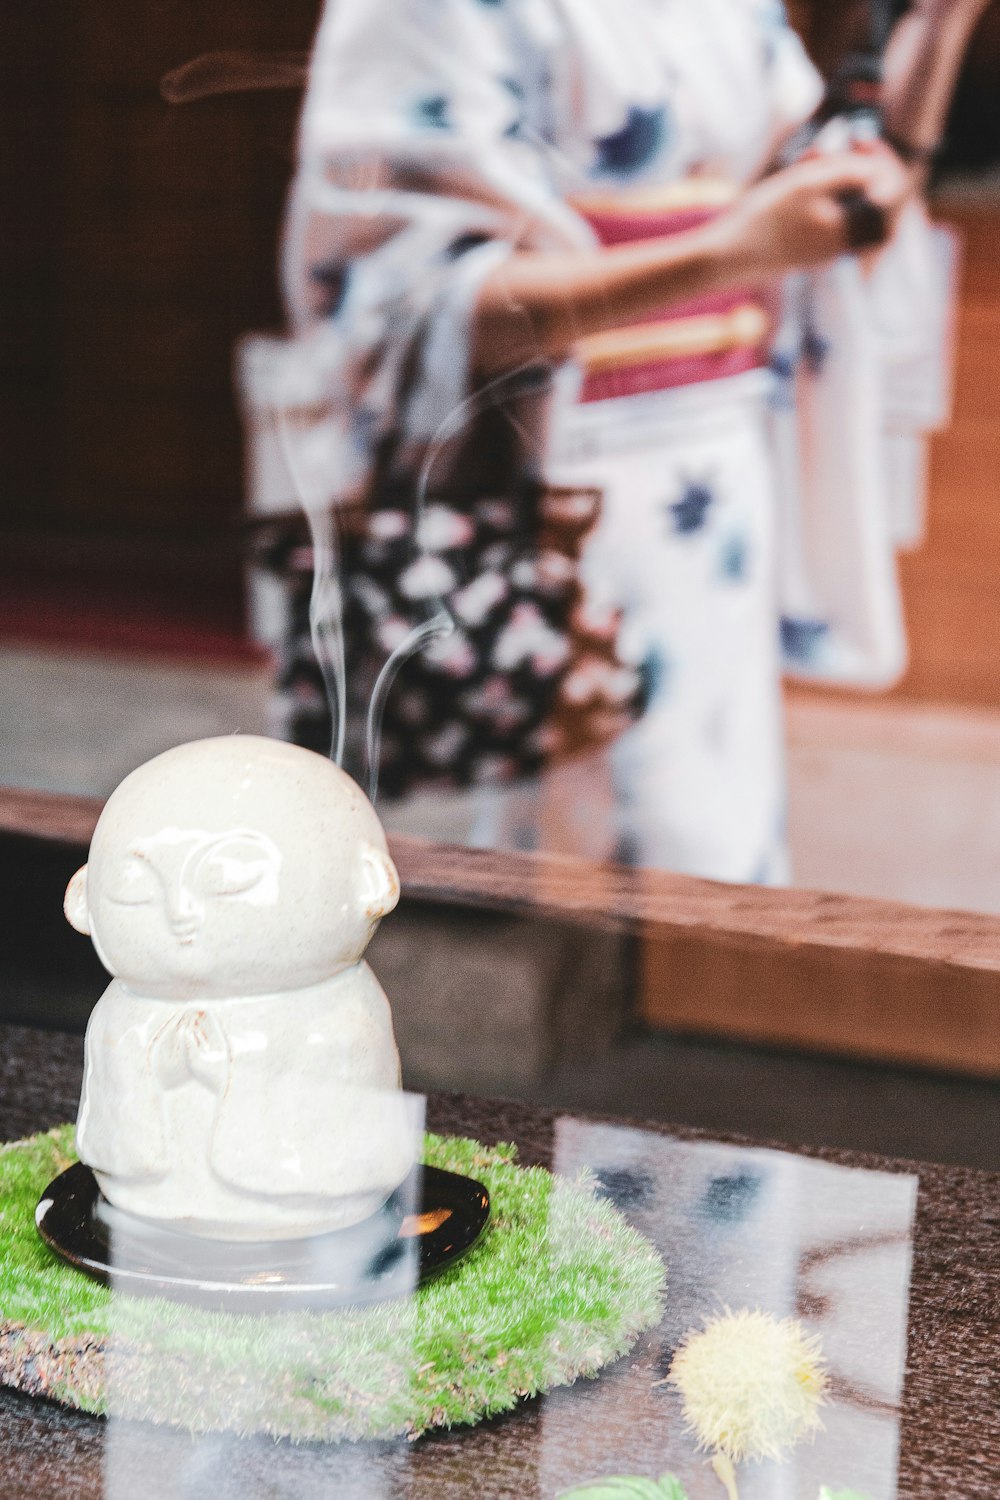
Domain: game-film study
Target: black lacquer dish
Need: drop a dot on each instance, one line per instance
(428, 1224)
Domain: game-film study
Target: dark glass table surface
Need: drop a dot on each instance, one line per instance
(921, 1282)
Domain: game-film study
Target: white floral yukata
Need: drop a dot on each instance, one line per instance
(440, 135)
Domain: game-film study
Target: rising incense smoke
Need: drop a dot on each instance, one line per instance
(235, 71)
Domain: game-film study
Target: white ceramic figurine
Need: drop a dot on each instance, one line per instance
(242, 1079)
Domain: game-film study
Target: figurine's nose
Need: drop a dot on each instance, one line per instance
(184, 910)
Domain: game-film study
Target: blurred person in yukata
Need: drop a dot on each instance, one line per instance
(484, 184)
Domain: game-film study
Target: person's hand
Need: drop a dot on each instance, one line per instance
(814, 211)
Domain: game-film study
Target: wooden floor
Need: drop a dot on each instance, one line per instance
(952, 583)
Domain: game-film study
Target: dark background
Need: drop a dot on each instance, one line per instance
(137, 243)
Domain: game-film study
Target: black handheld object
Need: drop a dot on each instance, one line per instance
(854, 96)
(855, 91)
(866, 222)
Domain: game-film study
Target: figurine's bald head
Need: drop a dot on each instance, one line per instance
(231, 867)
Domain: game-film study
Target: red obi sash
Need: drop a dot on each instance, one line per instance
(706, 339)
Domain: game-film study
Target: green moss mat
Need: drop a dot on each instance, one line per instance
(559, 1285)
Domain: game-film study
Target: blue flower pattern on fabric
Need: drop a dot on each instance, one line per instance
(655, 672)
(730, 1198)
(735, 559)
(689, 513)
(432, 112)
(628, 150)
(625, 1187)
(628, 852)
(802, 641)
(815, 349)
(782, 366)
(332, 278)
(517, 125)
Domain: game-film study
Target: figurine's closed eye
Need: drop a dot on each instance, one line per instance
(237, 866)
(134, 883)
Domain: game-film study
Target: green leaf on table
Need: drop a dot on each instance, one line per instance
(626, 1487)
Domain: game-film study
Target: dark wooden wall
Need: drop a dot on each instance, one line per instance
(137, 242)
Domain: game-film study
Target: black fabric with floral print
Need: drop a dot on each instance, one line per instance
(526, 673)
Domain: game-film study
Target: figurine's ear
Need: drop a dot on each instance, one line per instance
(75, 905)
(379, 883)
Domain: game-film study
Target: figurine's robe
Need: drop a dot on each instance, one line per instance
(195, 1106)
